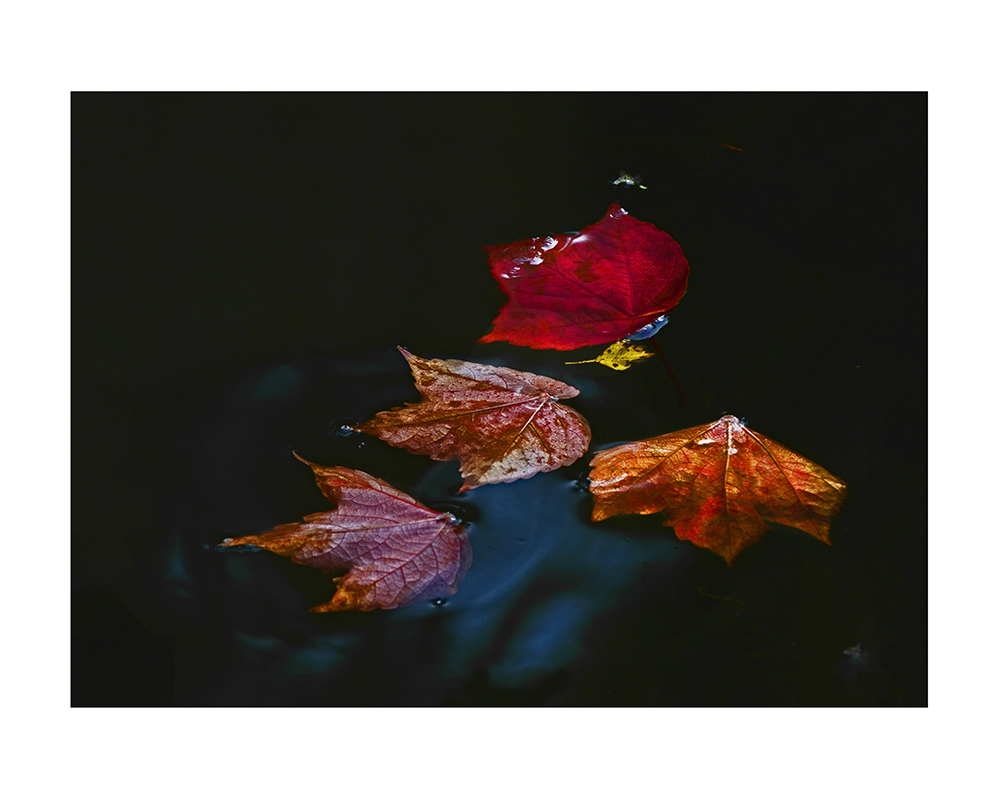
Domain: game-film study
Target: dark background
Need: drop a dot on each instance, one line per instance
(244, 265)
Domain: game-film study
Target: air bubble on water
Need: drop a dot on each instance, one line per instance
(343, 427)
(458, 513)
(439, 601)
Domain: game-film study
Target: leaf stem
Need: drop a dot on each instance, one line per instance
(670, 371)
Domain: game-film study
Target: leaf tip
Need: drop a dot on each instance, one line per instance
(491, 337)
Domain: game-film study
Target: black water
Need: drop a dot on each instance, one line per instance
(244, 266)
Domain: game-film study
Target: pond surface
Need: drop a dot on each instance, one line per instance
(245, 269)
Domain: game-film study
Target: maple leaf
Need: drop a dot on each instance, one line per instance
(498, 423)
(602, 284)
(716, 484)
(395, 551)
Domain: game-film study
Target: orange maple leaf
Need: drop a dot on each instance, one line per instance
(716, 484)
(394, 550)
(498, 423)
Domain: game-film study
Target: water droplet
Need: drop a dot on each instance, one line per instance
(343, 427)
(439, 601)
(461, 512)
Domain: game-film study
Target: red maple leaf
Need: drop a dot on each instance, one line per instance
(716, 484)
(498, 423)
(597, 286)
(394, 550)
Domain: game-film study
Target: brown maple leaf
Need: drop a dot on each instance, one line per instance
(394, 550)
(498, 423)
(716, 484)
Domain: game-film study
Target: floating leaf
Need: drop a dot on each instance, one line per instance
(394, 550)
(498, 423)
(620, 355)
(716, 484)
(602, 284)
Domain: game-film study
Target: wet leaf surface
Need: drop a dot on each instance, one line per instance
(716, 484)
(500, 424)
(394, 550)
(619, 356)
(602, 284)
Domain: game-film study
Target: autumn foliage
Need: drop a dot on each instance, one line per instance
(394, 550)
(500, 424)
(613, 282)
(594, 287)
(716, 484)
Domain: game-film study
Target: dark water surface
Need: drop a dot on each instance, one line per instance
(244, 266)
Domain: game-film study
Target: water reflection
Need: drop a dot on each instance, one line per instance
(543, 581)
(555, 609)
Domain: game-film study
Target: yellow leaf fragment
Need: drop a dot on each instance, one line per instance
(620, 355)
